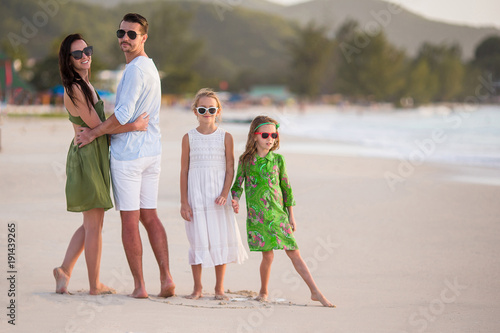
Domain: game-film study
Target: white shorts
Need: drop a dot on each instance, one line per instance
(135, 183)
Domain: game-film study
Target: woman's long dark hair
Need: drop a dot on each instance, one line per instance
(69, 76)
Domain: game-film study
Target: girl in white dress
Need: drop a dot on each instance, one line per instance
(207, 171)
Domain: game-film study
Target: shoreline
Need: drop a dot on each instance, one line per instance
(296, 144)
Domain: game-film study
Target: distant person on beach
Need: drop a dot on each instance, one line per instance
(136, 157)
(269, 199)
(87, 168)
(207, 171)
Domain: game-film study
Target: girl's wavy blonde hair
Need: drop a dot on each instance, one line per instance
(207, 92)
(251, 146)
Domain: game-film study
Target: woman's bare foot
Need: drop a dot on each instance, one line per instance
(139, 293)
(168, 290)
(322, 299)
(261, 298)
(62, 280)
(102, 290)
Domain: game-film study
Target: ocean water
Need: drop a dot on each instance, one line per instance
(466, 136)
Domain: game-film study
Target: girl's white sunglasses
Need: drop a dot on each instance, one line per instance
(202, 110)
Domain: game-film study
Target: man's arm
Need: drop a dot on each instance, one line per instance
(140, 124)
(86, 135)
(131, 87)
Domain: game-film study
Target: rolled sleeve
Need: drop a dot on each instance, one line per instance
(129, 94)
(286, 188)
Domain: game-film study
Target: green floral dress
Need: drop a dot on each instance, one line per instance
(267, 192)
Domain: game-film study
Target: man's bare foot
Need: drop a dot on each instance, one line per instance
(168, 290)
(102, 290)
(62, 280)
(322, 299)
(261, 298)
(139, 293)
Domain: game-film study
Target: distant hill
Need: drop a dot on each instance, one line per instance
(238, 43)
(242, 40)
(406, 30)
(238, 37)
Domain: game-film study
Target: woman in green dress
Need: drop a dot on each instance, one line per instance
(269, 199)
(87, 168)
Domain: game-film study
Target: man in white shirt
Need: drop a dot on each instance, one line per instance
(136, 156)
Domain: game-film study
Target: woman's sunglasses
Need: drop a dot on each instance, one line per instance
(79, 54)
(266, 135)
(131, 34)
(202, 110)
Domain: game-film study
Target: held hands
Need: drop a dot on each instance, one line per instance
(221, 200)
(84, 136)
(142, 122)
(236, 206)
(186, 212)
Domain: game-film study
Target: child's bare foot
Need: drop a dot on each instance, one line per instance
(221, 297)
(102, 290)
(219, 294)
(195, 295)
(322, 299)
(139, 293)
(62, 280)
(261, 298)
(167, 290)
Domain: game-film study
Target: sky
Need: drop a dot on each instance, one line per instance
(467, 12)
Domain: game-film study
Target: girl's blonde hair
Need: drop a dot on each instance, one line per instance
(207, 92)
(251, 148)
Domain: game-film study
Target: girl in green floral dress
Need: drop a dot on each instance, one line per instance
(269, 198)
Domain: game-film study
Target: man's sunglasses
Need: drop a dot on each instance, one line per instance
(79, 54)
(202, 110)
(131, 34)
(266, 135)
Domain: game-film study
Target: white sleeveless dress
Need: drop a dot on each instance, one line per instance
(213, 234)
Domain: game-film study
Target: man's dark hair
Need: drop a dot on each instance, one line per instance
(137, 18)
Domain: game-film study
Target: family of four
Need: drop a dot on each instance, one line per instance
(133, 169)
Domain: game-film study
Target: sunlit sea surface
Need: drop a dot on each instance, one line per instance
(463, 136)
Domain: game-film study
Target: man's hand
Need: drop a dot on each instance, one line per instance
(141, 123)
(84, 136)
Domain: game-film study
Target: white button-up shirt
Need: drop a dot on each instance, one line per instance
(139, 91)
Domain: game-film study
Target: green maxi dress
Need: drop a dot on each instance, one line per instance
(87, 171)
(267, 192)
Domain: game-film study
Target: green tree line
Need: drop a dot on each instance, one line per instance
(193, 45)
(364, 66)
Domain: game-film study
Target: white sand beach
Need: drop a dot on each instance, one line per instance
(423, 256)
